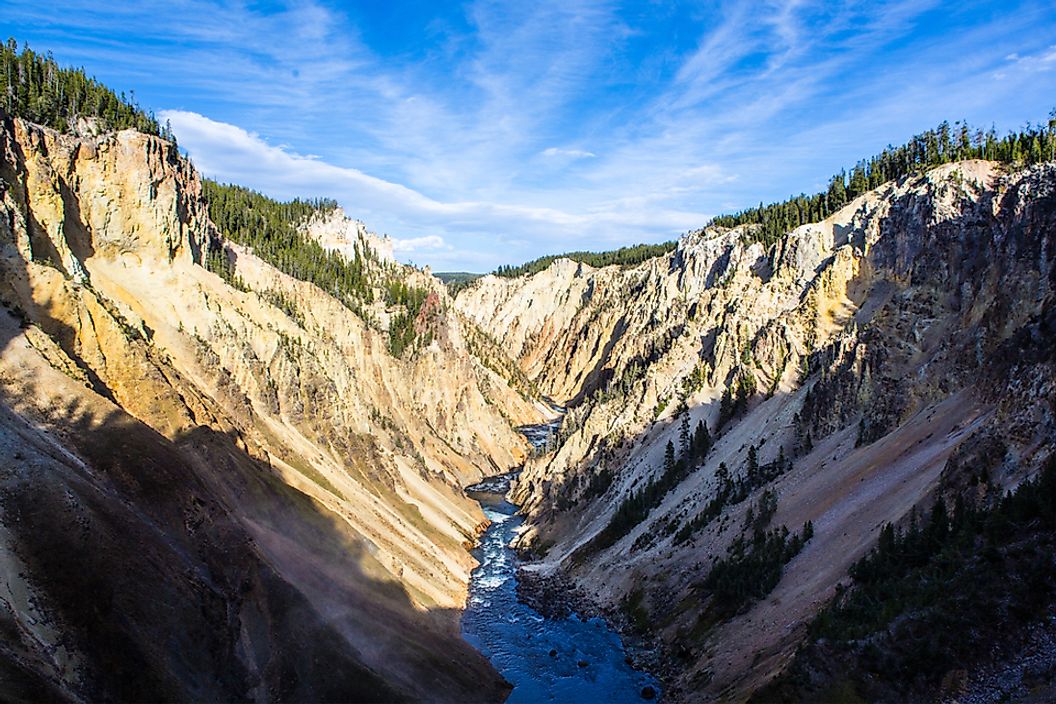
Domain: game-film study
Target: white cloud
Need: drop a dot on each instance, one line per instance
(417, 244)
(573, 153)
(1041, 61)
(526, 129)
(231, 154)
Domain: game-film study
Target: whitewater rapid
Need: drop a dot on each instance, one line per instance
(546, 660)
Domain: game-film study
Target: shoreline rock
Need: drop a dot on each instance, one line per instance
(556, 596)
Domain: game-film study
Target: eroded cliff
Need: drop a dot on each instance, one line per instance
(864, 360)
(216, 492)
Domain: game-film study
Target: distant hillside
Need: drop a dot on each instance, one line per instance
(945, 144)
(456, 277)
(624, 256)
(456, 280)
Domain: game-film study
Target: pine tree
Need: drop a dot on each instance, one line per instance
(837, 195)
(886, 543)
(1052, 135)
(722, 474)
(938, 524)
(701, 440)
(683, 435)
(1035, 151)
(859, 182)
(725, 408)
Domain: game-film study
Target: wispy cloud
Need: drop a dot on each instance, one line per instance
(572, 153)
(1041, 61)
(230, 153)
(419, 244)
(494, 132)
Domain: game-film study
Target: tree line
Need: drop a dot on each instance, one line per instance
(635, 508)
(37, 89)
(730, 490)
(946, 143)
(273, 230)
(624, 256)
(752, 568)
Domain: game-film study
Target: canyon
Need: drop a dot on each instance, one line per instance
(880, 358)
(207, 496)
(220, 487)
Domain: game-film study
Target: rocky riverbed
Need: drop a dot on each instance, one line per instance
(549, 645)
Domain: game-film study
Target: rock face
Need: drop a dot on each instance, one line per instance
(913, 326)
(340, 233)
(211, 492)
(207, 497)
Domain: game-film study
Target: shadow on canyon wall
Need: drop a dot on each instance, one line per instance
(146, 568)
(993, 326)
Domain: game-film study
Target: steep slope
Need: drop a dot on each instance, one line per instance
(214, 492)
(857, 356)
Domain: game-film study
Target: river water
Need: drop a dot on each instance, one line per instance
(546, 660)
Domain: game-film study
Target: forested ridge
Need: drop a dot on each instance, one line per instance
(37, 89)
(271, 229)
(946, 143)
(274, 231)
(624, 256)
(455, 281)
(946, 590)
(942, 145)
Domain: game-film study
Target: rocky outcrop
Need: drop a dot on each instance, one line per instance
(864, 350)
(339, 233)
(206, 495)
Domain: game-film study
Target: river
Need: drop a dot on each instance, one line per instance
(546, 660)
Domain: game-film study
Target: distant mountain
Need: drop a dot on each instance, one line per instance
(456, 277)
(624, 256)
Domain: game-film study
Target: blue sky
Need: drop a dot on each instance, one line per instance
(484, 133)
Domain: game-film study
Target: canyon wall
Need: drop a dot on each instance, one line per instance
(207, 495)
(869, 361)
(233, 488)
